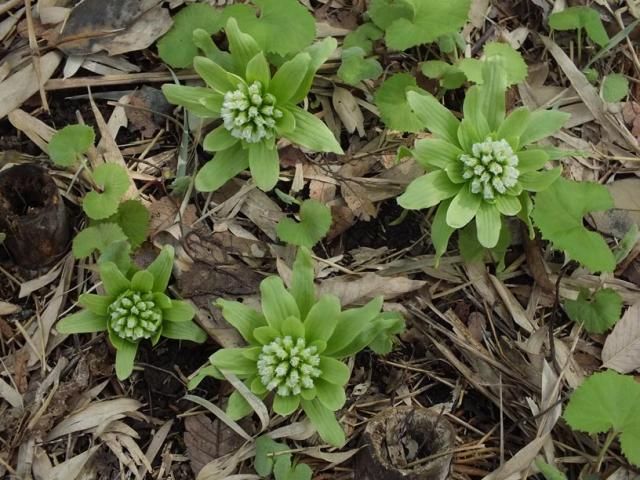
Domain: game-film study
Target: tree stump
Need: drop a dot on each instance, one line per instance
(33, 216)
(406, 443)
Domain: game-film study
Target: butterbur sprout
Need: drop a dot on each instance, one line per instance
(296, 347)
(256, 108)
(483, 167)
(133, 310)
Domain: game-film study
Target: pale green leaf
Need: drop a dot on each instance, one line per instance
(277, 303)
(286, 405)
(488, 225)
(434, 116)
(66, 145)
(265, 448)
(243, 318)
(581, 17)
(264, 163)
(216, 77)
(608, 401)
(202, 102)
(97, 237)
(391, 100)
(356, 66)
(513, 63)
(223, 167)
(312, 133)
(176, 47)
(427, 191)
(559, 212)
(363, 36)
(184, 331)
(325, 422)
(431, 19)
(440, 231)
(314, 224)
(598, 313)
(133, 218)
(289, 77)
(84, 321)
(463, 207)
(302, 286)
(615, 87)
(114, 182)
(543, 123)
(282, 27)
(549, 471)
(161, 268)
(125, 356)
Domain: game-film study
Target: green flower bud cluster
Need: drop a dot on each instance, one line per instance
(491, 168)
(249, 114)
(288, 366)
(134, 316)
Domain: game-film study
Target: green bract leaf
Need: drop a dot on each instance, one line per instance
(223, 167)
(598, 313)
(355, 67)
(312, 133)
(302, 286)
(315, 220)
(202, 102)
(391, 100)
(97, 237)
(414, 22)
(125, 356)
(176, 47)
(615, 87)
(114, 181)
(68, 144)
(581, 17)
(82, 322)
(325, 422)
(608, 401)
(558, 213)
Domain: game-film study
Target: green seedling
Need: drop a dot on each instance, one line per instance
(256, 110)
(549, 471)
(315, 221)
(271, 458)
(578, 18)
(608, 402)
(134, 309)
(482, 167)
(296, 347)
(598, 312)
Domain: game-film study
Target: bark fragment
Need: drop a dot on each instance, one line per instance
(406, 443)
(33, 216)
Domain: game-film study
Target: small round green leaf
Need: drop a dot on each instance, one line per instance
(315, 221)
(68, 144)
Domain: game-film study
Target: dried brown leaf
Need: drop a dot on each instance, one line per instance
(354, 290)
(207, 440)
(621, 350)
